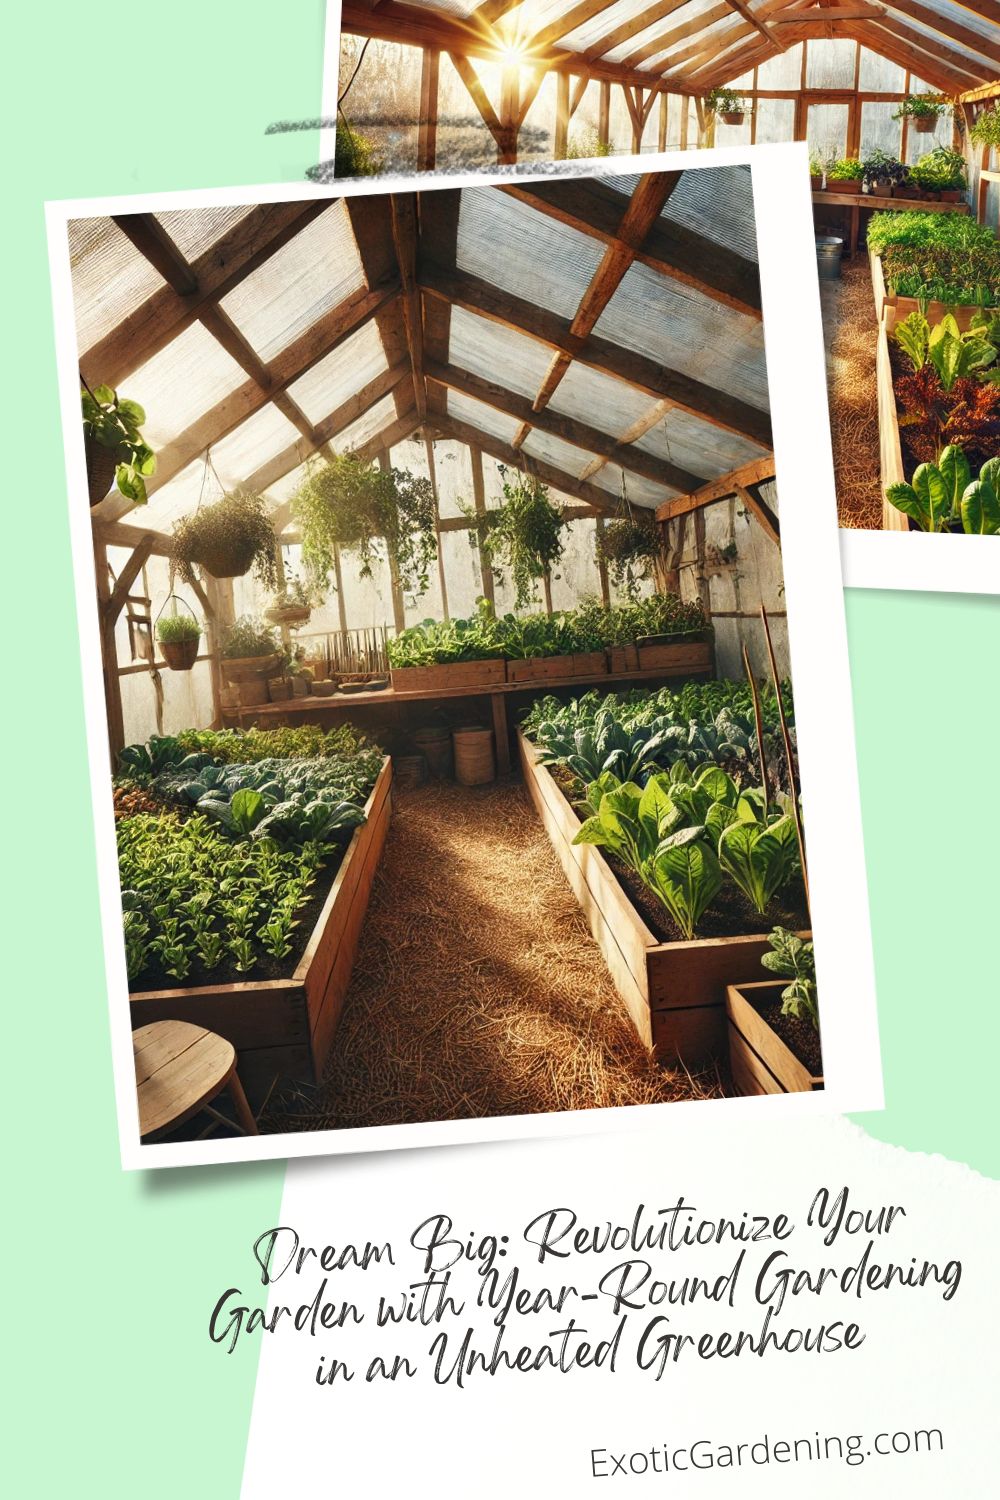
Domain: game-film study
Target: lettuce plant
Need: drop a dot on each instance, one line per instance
(792, 957)
(943, 496)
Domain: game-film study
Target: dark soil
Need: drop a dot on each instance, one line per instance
(226, 972)
(730, 914)
(800, 1037)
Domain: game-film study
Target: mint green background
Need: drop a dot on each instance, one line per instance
(114, 1388)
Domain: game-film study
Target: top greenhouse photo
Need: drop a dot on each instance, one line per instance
(443, 644)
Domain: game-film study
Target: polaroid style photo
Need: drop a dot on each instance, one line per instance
(464, 658)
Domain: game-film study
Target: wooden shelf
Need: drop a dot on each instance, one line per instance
(901, 205)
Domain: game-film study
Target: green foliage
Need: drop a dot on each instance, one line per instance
(940, 170)
(760, 856)
(227, 538)
(374, 513)
(953, 354)
(247, 636)
(985, 129)
(331, 779)
(726, 102)
(847, 169)
(586, 145)
(920, 106)
(114, 423)
(944, 497)
(880, 167)
(174, 628)
(298, 742)
(686, 875)
(792, 957)
(630, 546)
(523, 536)
(355, 155)
(918, 229)
(601, 747)
(438, 642)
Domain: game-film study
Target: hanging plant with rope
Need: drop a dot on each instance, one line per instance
(227, 537)
(374, 513)
(525, 536)
(630, 547)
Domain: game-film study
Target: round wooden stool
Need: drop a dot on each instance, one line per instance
(179, 1069)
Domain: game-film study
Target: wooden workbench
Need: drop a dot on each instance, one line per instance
(857, 201)
(341, 705)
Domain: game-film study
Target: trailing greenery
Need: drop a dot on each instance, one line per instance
(172, 629)
(523, 536)
(227, 538)
(630, 547)
(943, 496)
(920, 107)
(355, 155)
(792, 957)
(114, 423)
(374, 513)
(985, 130)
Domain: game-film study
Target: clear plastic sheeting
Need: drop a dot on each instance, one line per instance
(600, 400)
(638, 489)
(510, 244)
(566, 457)
(494, 423)
(497, 353)
(194, 231)
(349, 368)
(110, 278)
(718, 205)
(375, 420)
(310, 275)
(181, 383)
(697, 446)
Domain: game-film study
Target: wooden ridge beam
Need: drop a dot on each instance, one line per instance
(568, 429)
(706, 402)
(371, 226)
(596, 209)
(404, 238)
(550, 474)
(742, 477)
(166, 313)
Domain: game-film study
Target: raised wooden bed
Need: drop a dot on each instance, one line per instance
(284, 1027)
(544, 668)
(675, 992)
(760, 1061)
(890, 452)
(454, 674)
(892, 309)
(698, 656)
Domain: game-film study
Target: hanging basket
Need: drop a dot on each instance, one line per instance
(924, 124)
(733, 116)
(226, 562)
(180, 656)
(101, 466)
(288, 614)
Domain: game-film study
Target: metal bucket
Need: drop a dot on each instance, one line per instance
(828, 250)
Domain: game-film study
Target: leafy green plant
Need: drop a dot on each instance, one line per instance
(954, 354)
(792, 957)
(940, 170)
(985, 128)
(355, 154)
(524, 535)
(227, 538)
(248, 637)
(114, 424)
(585, 145)
(879, 167)
(176, 628)
(722, 101)
(918, 229)
(846, 169)
(943, 496)
(759, 856)
(920, 107)
(604, 746)
(438, 642)
(686, 875)
(374, 513)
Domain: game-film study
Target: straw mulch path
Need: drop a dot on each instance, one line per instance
(477, 989)
(851, 333)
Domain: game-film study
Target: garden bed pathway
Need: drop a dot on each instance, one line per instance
(851, 334)
(477, 989)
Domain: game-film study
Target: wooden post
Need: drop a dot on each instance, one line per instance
(547, 590)
(427, 127)
(685, 112)
(604, 114)
(700, 576)
(661, 137)
(109, 656)
(637, 121)
(207, 597)
(479, 497)
(398, 603)
(602, 567)
(510, 106)
(562, 116)
(429, 450)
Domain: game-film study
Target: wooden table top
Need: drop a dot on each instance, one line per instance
(178, 1068)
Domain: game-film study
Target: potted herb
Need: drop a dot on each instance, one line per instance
(524, 535)
(114, 445)
(922, 110)
(844, 176)
(178, 636)
(774, 1043)
(730, 107)
(226, 539)
(881, 172)
(816, 171)
(250, 656)
(985, 128)
(371, 512)
(941, 174)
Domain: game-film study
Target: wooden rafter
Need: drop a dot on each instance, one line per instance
(404, 236)
(743, 477)
(631, 28)
(743, 9)
(580, 489)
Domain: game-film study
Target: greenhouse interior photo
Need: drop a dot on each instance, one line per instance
(445, 658)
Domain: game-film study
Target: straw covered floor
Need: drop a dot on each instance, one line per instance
(851, 337)
(477, 989)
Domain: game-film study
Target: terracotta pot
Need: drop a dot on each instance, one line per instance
(180, 656)
(101, 466)
(848, 185)
(733, 116)
(924, 124)
(816, 183)
(951, 195)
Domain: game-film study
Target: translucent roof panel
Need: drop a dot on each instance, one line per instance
(446, 7)
(951, 14)
(310, 275)
(325, 388)
(638, 490)
(375, 420)
(680, 438)
(717, 204)
(495, 423)
(599, 400)
(931, 38)
(688, 332)
(110, 278)
(181, 383)
(234, 460)
(497, 353)
(566, 456)
(658, 29)
(195, 231)
(589, 33)
(543, 261)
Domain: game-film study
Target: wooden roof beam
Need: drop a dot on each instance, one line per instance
(567, 429)
(955, 31)
(167, 312)
(595, 209)
(576, 15)
(634, 27)
(742, 477)
(732, 65)
(404, 238)
(664, 40)
(706, 402)
(556, 478)
(939, 66)
(743, 9)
